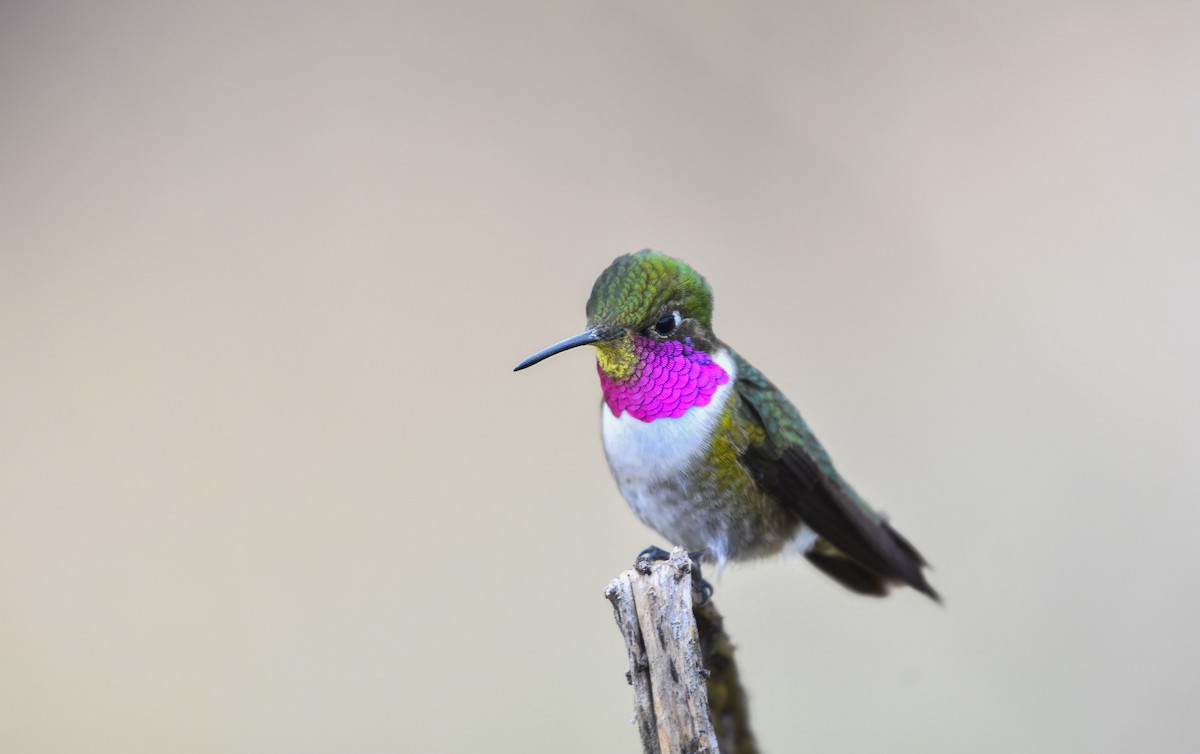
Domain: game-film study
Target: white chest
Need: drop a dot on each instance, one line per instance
(640, 449)
(648, 459)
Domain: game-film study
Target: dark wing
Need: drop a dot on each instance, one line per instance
(860, 549)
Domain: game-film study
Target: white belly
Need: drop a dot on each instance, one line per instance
(648, 460)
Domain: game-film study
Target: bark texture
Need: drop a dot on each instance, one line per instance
(688, 698)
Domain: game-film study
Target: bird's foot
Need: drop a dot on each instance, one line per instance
(654, 553)
(651, 554)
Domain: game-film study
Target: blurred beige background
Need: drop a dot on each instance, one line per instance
(267, 483)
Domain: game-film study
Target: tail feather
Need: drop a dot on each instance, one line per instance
(862, 580)
(849, 574)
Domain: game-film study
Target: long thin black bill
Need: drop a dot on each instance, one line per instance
(584, 338)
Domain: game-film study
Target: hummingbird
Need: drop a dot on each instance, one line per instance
(707, 451)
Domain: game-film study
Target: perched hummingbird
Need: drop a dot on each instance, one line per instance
(707, 451)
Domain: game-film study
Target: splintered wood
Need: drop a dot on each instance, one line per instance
(666, 661)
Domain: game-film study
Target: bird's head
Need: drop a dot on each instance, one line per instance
(650, 320)
(640, 304)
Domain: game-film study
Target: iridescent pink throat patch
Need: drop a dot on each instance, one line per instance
(671, 377)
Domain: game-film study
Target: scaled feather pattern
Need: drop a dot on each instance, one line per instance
(672, 377)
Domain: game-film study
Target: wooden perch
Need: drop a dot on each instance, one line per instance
(687, 695)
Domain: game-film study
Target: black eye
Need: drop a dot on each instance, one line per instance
(667, 324)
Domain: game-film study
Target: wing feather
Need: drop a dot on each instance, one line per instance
(791, 464)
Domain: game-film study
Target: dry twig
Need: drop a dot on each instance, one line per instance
(687, 694)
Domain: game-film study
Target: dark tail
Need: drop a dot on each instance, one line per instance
(862, 580)
(849, 574)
